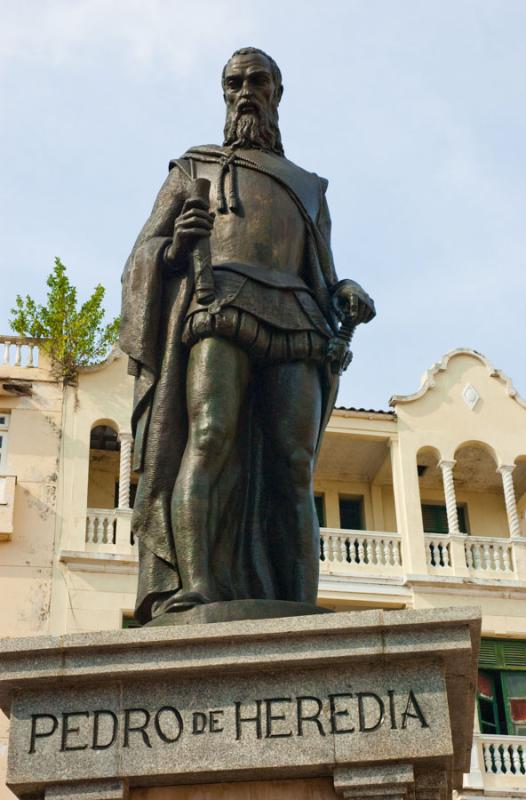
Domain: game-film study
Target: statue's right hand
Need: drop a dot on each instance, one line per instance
(194, 222)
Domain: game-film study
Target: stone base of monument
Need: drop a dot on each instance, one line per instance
(361, 705)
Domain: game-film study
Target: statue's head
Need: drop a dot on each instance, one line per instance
(252, 88)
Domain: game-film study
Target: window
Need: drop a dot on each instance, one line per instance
(103, 437)
(351, 513)
(129, 621)
(319, 502)
(4, 425)
(435, 518)
(501, 695)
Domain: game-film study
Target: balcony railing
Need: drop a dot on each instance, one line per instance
(346, 551)
(488, 555)
(108, 530)
(504, 755)
(352, 552)
(19, 351)
(483, 555)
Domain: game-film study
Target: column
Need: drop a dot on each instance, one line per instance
(125, 470)
(407, 505)
(449, 493)
(506, 471)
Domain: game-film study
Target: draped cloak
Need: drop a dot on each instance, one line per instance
(154, 304)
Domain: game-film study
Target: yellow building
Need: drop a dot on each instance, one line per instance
(422, 506)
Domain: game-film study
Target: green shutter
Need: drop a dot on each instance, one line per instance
(514, 653)
(502, 653)
(434, 517)
(130, 622)
(488, 653)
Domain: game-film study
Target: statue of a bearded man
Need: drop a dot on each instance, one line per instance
(234, 385)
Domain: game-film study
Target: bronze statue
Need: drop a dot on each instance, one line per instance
(237, 329)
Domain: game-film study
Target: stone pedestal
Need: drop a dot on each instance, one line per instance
(359, 705)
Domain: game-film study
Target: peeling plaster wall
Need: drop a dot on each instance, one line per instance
(26, 559)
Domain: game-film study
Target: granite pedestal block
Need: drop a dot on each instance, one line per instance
(380, 702)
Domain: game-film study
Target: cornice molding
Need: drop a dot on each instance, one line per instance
(114, 355)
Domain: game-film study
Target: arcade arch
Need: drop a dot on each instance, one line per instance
(111, 483)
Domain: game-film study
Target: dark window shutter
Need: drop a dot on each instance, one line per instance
(435, 518)
(351, 513)
(320, 509)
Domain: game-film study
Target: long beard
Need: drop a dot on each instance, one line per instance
(253, 130)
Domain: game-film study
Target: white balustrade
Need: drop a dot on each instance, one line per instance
(343, 551)
(438, 549)
(504, 755)
(18, 351)
(489, 555)
(100, 526)
(108, 530)
(481, 554)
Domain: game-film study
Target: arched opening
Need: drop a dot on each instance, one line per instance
(111, 486)
(479, 490)
(104, 465)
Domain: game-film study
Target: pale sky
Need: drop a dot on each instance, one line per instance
(415, 110)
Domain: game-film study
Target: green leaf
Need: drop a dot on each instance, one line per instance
(72, 337)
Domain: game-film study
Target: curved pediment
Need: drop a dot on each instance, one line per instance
(470, 394)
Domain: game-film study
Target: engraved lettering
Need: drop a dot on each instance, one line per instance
(199, 722)
(240, 719)
(214, 722)
(270, 718)
(392, 709)
(275, 717)
(41, 734)
(176, 725)
(67, 730)
(342, 713)
(129, 728)
(302, 717)
(96, 744)
(413, 702)
(361, 711)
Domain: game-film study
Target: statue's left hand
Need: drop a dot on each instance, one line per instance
(350, 300)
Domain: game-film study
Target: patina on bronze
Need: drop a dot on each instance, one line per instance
(237, 328)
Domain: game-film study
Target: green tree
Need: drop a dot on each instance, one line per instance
(72, 337)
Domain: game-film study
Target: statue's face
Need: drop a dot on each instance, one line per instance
(248, 85)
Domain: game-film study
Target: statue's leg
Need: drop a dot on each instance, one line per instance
(291, 395)
(216, 382)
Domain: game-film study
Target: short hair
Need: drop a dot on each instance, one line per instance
(245, 51)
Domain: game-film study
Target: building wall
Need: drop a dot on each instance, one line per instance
(54, 580)
(27, 552)
(103, 475)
